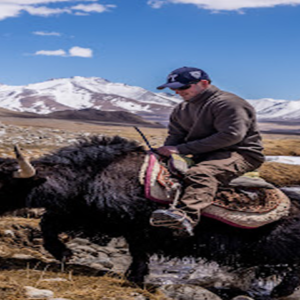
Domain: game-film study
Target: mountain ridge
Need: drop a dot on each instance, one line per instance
(82, 92)
(77, 93)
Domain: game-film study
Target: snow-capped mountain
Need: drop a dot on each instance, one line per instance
(98, 93)
(281, 110)
(81, 92)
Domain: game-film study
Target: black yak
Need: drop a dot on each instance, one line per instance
(93, 187)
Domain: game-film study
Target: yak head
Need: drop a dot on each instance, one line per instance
(17, 179)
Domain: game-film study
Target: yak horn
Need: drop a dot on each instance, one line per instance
(26, 170)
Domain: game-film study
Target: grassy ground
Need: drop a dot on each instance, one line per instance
(68, 286)
(280, 174)
(290, 147)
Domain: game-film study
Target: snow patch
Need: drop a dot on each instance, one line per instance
(291, 160)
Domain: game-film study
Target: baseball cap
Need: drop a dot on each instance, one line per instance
(183, 76)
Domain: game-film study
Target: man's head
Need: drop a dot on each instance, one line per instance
(187, 82)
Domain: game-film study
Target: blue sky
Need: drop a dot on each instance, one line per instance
(250, 47)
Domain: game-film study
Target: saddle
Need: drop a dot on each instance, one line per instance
(246, 202)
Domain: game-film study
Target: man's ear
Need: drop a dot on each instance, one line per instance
(205, 83)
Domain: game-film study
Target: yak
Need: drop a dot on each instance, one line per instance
(93, 187)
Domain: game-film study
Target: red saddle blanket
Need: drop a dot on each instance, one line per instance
(245, 202)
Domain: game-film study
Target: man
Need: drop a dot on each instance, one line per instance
(219, 130)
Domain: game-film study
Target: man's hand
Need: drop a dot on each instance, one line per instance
(167, 150)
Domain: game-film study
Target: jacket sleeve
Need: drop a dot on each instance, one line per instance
(176, 134)
(232, 119)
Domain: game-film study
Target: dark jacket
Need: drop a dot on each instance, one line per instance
(215, 120)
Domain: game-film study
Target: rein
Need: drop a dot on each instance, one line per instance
(145, 140)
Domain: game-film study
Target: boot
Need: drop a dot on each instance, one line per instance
(174, 219)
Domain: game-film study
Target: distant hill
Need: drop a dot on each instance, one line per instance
(87, 115)
(90, 114)
(15, 114)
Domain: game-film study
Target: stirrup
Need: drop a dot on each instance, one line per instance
(166, 218)
(160, 218)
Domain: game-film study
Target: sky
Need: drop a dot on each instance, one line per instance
(249, 47)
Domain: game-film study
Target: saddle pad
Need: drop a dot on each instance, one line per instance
(251, 218)
(159, 185)
(245, 202)
(256, 200)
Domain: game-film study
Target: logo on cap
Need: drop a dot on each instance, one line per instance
(172, 77)
(196, 74)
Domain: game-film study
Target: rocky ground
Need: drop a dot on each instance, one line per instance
(27, 271)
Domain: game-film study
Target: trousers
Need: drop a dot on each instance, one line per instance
(202, 180)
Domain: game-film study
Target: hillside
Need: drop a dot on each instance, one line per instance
(78, 93)
(110, 117)
(68, 117)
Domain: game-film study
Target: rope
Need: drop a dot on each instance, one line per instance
(145, 139)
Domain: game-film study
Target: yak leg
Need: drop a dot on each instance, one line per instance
(288, 284)
(138, 268)
(52, 226)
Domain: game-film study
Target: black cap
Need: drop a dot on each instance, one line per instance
(184, 76)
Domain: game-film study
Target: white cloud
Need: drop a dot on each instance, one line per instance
(226, 5)
(72, 52)
(14, 8)
(81, 52)
(51, 53)
(44, 33)
(32, 2)
(80, 13)
(45, 11)
(156, 3)
(8, 11)
(95, 7)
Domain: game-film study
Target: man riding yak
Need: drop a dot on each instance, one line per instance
(219, 130)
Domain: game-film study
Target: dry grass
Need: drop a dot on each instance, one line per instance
(290, 147)
(68, 286)
(280, 174)
(156, 136)
(277, 173)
